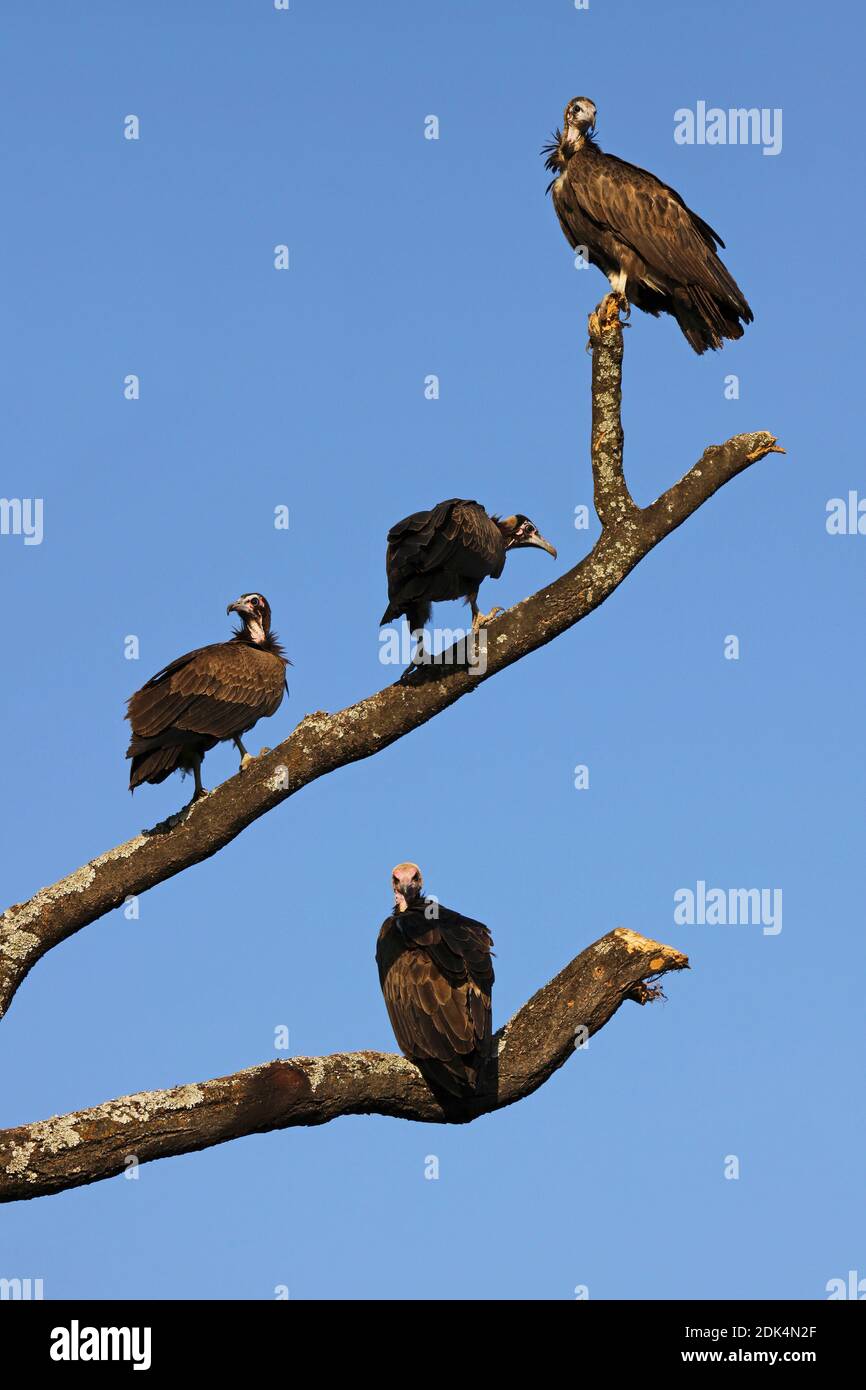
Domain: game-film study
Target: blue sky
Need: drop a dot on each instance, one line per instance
(305, 389)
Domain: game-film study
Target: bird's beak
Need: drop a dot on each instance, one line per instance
(541, 544)
(239, 607)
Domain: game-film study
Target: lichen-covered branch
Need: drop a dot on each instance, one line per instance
(323, 742)
(614, 504)
(88, 1145)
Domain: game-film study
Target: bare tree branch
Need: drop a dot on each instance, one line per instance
(323, 742)
(88, 1145)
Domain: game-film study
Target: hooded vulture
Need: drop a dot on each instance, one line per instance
(211, 694)
(436, 975)
(446, 553)
(655, 251)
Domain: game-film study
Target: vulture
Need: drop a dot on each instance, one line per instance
(446, 553)
(214, 693)
(437, 977)
(655, 251)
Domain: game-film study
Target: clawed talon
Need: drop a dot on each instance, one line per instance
(248, 758)
(610, 308)
(419, 671)
(481, 620)
(606, 314)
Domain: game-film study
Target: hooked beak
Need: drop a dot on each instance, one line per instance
(407, 886)
(408, 890)
(240, 607)
(541, 544)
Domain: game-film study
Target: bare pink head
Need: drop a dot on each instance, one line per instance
(407, 883)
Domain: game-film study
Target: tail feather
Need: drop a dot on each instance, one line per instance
(417, 614)
(456, 1078)
(154, 765)
(705, 320)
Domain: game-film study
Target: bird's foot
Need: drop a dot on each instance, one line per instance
(606, 314)
(252, 757)
(198, 795)
(621, 304)
(481, 620)
(417, 672)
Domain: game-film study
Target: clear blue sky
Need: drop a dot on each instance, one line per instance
(305, 388)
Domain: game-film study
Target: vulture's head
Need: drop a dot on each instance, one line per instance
(408, 885)
(255, 614)
(519, 532)
(578, 125)
(579, 119)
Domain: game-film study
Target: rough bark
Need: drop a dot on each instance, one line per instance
(88, 1145)
(323, 742)
(613, 502)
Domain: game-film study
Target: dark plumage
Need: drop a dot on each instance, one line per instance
(654, 250)
(446, 553)
(437, 977)
(214, 693)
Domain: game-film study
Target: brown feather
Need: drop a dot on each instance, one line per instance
(630, 221)
(441, 554)
(437, 980)
(214, 693)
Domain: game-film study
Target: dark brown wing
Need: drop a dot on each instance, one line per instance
(442, 553)
(437, 978)
(217, 691)
(652, 218)
(460, 947)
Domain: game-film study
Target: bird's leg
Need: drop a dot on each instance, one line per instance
(618, 280)
(607, 313)
(419, 655)
(246, 758)
(199, 791)
(480, 620)
(472, 600)
(420, 663)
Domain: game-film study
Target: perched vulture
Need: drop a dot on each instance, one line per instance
(214, 693)
(446, 553)
(655, 251)
(436, 975)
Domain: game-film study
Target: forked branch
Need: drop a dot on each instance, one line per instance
(323, 742)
